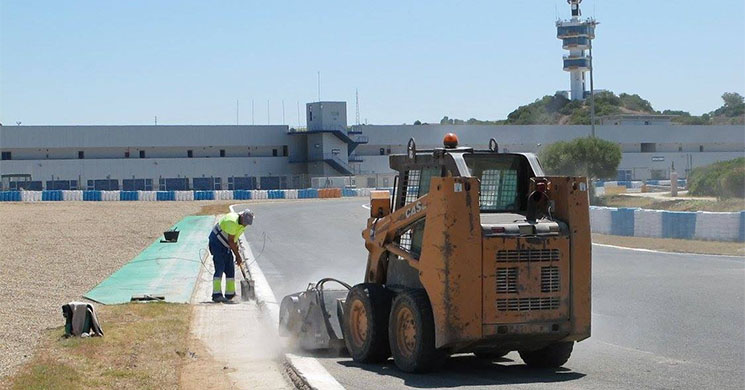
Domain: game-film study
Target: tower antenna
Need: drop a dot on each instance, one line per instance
(357, 107)
(319, 85)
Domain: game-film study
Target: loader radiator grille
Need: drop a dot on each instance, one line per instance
(506, 280)
(528, 304)
(527, 255)
(549, 279)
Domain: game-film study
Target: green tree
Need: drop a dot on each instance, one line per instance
(734, 105)
(594, 158)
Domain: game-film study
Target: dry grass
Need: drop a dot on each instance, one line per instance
(674, 204)
(673, 245)
(53, 252)
(144, 347)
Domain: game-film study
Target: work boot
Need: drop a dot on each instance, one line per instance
(219, 298)
(229, 297)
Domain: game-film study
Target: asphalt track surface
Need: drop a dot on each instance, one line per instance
(660, 320)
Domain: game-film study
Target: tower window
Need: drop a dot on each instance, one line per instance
(81, 154)
(274, 152)
(189, 153)
(285, 150)
(126, 154)
(382, 151)
(701, 148)
(142, 154)
(222, 152)
(6, 156)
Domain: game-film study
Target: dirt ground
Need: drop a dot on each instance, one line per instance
(676, 204)
(53, 252)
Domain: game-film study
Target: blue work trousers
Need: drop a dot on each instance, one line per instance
(222, 257)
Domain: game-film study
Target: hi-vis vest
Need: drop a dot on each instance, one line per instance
(228, 225)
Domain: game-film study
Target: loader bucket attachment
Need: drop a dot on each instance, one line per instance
(311, 318)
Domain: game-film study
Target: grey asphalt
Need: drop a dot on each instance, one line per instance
(660, 321)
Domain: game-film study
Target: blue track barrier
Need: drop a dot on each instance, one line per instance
(51, 195)
(165, 195)
(622, 222)
(128, 195)
(204, 195)
(94, 196)
(242, 194)
(678, 224)
(10, 196)
(348, 192)
(276, 194)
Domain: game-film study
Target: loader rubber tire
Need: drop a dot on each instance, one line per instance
(491, 355)
(411, 331)
(365, 324)
(551, 356)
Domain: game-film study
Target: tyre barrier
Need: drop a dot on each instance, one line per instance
(10, 196)
(109, 196)
(242, 194)
(204, 195)
(128, 195)
(165, 195)
(275, 194)
(698, 225)
(307, 193)
(92, 196)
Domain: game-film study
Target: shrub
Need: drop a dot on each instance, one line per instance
(725, 179)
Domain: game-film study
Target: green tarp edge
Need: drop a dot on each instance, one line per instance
(162, 269)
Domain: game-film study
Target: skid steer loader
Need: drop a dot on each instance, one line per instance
(475, 251)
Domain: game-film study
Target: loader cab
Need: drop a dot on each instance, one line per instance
(504, 177)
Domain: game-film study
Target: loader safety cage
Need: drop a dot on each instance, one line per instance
(504, 177)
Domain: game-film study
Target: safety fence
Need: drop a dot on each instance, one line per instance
(98, 196)
(698, 225)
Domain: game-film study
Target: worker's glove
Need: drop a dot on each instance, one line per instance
(239, 261)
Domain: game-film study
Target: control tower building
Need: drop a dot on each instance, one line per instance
(576, 35)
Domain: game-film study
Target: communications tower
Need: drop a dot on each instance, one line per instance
(576, 35)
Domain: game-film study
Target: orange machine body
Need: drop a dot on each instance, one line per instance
(502, 251)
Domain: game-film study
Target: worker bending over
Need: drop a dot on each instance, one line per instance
(223, 241)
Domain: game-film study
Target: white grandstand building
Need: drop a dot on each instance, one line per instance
(274, 157)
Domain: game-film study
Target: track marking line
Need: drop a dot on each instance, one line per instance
(738, 259)
(308, 368)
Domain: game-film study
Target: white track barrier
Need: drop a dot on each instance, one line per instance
(717, 226)
(648, 223)
(76, 195)
(290, 194)
(223, 195)
(148, 196)
(600, 220)
(110, 196)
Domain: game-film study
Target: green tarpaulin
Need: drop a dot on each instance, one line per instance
(162, 269)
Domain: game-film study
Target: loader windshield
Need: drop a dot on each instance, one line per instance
(503, 181)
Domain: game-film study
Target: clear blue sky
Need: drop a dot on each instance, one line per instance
(123, 62)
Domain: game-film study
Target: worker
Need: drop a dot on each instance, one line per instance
(224, 240)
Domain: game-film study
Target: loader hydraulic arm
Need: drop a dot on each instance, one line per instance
(380, 235)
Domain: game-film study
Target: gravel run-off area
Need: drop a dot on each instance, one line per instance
(53, 253)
